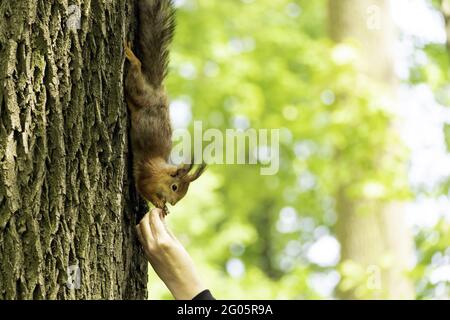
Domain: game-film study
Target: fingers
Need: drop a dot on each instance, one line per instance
(154, 234)
(163, 219)
(145, 245)
(158, 228)
(144, 232)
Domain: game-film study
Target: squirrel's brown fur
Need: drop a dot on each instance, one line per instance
(151, 132)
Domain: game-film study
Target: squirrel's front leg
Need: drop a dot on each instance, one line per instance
(159, 203)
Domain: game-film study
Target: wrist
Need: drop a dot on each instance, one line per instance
(185, 290)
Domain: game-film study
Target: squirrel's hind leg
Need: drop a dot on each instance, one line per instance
(129, 54)
(135, 84)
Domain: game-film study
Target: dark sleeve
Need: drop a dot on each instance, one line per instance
(204, 295)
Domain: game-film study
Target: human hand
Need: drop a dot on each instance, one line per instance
(168, 257)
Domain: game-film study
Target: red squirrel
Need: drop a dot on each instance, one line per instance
(156, 179)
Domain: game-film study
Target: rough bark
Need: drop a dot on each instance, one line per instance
(64, 167)
(372, 233)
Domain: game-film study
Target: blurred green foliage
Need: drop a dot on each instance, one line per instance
(270, 64)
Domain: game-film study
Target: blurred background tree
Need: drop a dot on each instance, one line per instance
(333, 222)
(371, 226)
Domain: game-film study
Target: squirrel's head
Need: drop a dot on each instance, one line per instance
(179, 181)
(170, 184)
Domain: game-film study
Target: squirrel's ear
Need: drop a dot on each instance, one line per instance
(172, 170)
(197, 173)
(183, 169)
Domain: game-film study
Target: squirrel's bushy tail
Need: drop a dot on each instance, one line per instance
(156, 28)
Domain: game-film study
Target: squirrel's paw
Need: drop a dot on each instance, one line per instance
(129, 54)
(165, 210)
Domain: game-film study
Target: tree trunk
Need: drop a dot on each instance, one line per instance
(66, 223)
(445, 9)
(373, 234)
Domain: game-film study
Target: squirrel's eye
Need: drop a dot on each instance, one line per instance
(174, 187)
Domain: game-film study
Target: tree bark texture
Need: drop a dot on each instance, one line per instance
(65, 195)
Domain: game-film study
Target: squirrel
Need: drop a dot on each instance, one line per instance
(156, 179)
